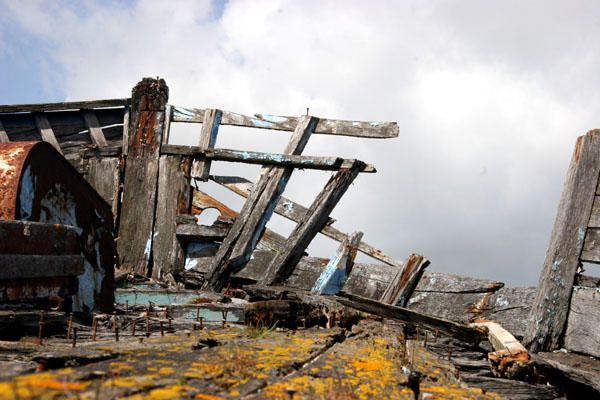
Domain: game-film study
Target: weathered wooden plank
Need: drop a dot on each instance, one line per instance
(3, 135)
(587, 281)
(595, 217)
(201, 232)
(287, 258)
(45, 131)
(256, 157)
(27, 266)
(174, 198)
(263, 121)
(591, 246)
(208, 138)
(405, 281)
(510, 307)
(141, 175)
(335, 274)
(103, 174)
(126, 123)
(511, 389)
(72, 105)
(450, 283)
(429, 322)
(91, 121)
(168, 118)
(109, 151)
(576, 368)
(549, 312)
(582, 334)
(295, 212)
(250, 225)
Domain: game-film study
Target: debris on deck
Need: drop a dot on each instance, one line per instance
(94, 197)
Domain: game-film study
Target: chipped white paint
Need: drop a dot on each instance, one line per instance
(27, 190)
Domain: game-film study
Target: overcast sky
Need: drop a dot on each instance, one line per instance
(489, 97)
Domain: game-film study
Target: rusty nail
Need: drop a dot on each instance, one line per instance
(224, 314)
(201, 320)
(74, 337)
(126, 306)
(425, 342)
(170, 329)
(133, 327)
(41, 332)
(94, 327)
(162, 330)
(141, 339)
(147, 325)
(449, 355)
(198, 314)
(70, 326)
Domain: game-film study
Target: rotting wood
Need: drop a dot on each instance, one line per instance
(595, 217)
(305, 231)
(73, 105)
(28, 266)
(45, 131)
(405, 281)
(173, 198)
(576, 368)
(168, 117)
(256, 211)
(511, 389)
(404, 315)
(380, 130)
(272, 159)
(208, 138)
(582, 334)
(335, 274)
(587, 281)
(295, 212)
(591, 246)
(109, 151)
(136, 226)
(550, 310)
(103, 174)
(3, 135)
(91, 121)
(201, 232)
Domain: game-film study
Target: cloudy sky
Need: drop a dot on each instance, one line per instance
(489, 97)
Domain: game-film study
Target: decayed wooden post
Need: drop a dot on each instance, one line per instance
(335, 274)
(550, 309)
(148, 102)
(405, 281)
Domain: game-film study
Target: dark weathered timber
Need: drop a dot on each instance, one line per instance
(45, 131)
(208, 138)
(429, 322)
(379, 130)
(256, 157)
(3, 135)
(582, 334)
(73, 105)
(511, 389)
(405, 281)
(335, 274)
(256, 212)
(104, 176)
(549, 313)
(295, 212)
(136, 227)
(587, 281)
(91, 121)
(174, 198)
(287, 258)
(591, 246)
(28, 266)
(26, 237)
(574, 367)
(201, 232)
(449, 283)
(109, 151)
(595, 217)
(510, 307)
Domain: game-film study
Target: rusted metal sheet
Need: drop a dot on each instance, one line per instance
(38, 184)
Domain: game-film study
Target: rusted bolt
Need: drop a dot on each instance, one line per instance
(94, 327)
(74, 337)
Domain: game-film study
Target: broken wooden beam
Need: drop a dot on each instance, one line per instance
(295, 212)
(458, 331)
(208, 138)
(255, 157)
(582, 334)
(380, 130)
(45, 131)
(335, 274)
(96, 134)
(287, 258)
(405, 281)
(201, 232)
(73, 105)
(550, 310)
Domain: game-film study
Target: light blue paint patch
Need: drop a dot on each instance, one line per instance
(259, 123)
(180, 112)
(333, 278)
(375, 123)
(556, 265)
(275, 119)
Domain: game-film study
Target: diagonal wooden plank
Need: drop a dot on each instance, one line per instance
(96, 134)
(284, 263)
(208, 138)
(256, 211)
(405, 281)
(3, 135)
(45, 130)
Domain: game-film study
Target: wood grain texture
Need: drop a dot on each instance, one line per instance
(378, 130)
(582, 334)
(305, 231)
(574, 367)
(201, 232)
(591, 246)
(208, 138)
(93, 126)
(45, 131)
(173, 198)
(72, 105)
(104, 176)
(405, 281)
(126, 127)
(549, 313)
(3, 134)
(595, 217)
(295, 212)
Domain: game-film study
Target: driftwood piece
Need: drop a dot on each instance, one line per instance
(3, 135)
(549, 313)
(28, 266)
(104, 176)
(429, 322)
(380, 130)
(574, 367)
(287, 258)
(45, 131)
(91, 121)
(250, 225)
(173, 198)
(295, 212)
(74, 105)
(335, 274)
(208, 138)
(405, 281)
(582, 334)
(141, 175)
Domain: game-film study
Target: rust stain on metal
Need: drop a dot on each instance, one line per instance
(12, 159)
